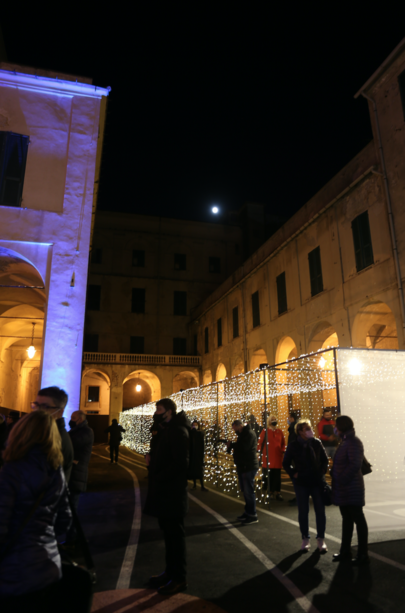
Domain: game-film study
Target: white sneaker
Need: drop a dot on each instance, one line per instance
(306, 545)
(322, 545)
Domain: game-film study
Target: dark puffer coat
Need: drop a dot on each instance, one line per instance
(32, 562)
(244, 450)
(347, 478)
(82, 440)
(115, 431)
(167, 487)
(307, 458)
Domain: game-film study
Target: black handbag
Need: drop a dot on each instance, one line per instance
(366, 467)
(326, 493)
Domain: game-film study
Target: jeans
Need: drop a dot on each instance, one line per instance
(247, 486)
(175, 543)
(114, 449)
(74, 497)
(353, 515)
(303, 492)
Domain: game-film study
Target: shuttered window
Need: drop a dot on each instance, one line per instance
(281, 293)
(255, 309)
(235, 322)
(401, 85)
(180, 346)
(206, 342)
(13, 157)
(138, 300)
(137, 344)
(315, 271)
(90, 343)
(180, 303)
(180, 261)
(363, 248)
(93, 297)
(219, 332)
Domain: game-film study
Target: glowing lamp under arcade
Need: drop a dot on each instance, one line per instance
(138, 388)
(31, 349)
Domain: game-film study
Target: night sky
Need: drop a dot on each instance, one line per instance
(213, 106)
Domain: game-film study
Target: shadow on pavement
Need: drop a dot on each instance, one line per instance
(349, 590)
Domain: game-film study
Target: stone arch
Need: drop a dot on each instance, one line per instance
(207, 377)
(286, 350)
(150, 379)
(184, 380)
(135, 392)
(221, 372)
(258, 357)
(322, 336)
(238, 369)
(95, 378)
(375, 327)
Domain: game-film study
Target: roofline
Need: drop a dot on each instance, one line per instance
(175, 219)
(12, 78)
(380, 70)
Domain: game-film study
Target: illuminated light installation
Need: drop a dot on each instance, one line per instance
(31, 349)
(371, 384)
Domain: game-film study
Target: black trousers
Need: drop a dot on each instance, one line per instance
(354, 515)
(114, 450)
(200, 477)
(275, 479)
(175, 542)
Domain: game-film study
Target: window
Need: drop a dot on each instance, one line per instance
(363, 248)
(90, 343)
(401, 84)
(13, 156)
(235, 322)
(281, 293)
(96, 256)
(138, 300)
(180, 346)
(219, 332)
(195, 344)
(180, 303)
(206, 342)
(237, 251)
(93, 297)
(137, 344)
(255, 309)
(180, 261)
(214, 264)
(138, 258)
(93, 394)
(315, 271)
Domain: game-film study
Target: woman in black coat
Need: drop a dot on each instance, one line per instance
(306, 462)
(196, 468)
(348, 491)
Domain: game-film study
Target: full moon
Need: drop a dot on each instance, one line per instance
(215, 209)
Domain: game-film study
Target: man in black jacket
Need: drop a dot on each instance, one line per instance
(82, 438)
(167, 493)
(115, 431)
(54, 400)
(247, 464)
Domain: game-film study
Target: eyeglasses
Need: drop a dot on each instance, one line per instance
(36, 405)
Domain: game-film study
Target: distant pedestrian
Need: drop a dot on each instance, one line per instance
(348, 491)
(34, 510)
(292, 419)
(271, 467)
(167, 494)
(246, 462)
(326, 433)
(306, 462)
(254, 425)
(196, 468)
(82, 438)
(54, 400)
(115, 431)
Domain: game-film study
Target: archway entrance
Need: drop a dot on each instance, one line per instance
(184, 381)
(238, 369)
(221, 372)
(259, 357)
(323, 336)
(207, 377)
(375, 327)
(140, 387)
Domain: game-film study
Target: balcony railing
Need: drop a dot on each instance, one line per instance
(96, 357)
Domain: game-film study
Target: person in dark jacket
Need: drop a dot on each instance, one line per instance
(115, 431)
(348, 491)
(247, 464)
(82, 438)
(167, 494)
(196, 468)
(255, 426)
(54, 400)
(32, 476)
(292, 420)
(306, 462)
(3, 436)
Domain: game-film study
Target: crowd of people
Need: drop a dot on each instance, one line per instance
(177, 454)
(44, 473)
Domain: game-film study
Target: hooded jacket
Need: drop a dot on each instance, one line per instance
(32, 562)
(82, 440)
(347, 478)
(167, 487)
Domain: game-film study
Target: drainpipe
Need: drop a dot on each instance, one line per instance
(390, 216)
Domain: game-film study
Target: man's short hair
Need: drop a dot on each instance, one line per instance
(114, 421)
(237, 422)
(57, 394)
(344, 423)
(168, 404)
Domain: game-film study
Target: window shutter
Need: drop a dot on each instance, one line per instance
(315, 271)
(219, 332)
(255, 309)
(281, 293)
(138, 300)
(235, 321)
(13, 157)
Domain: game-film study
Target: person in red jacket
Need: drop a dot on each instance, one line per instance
(276, 448)
(326, 434)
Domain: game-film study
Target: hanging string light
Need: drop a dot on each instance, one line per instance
(31, 349)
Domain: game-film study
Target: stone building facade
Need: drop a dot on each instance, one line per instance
(51, 130)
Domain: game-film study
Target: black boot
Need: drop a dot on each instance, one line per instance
(158, 580)
(343, 556)
(361, 560)
(173, 587)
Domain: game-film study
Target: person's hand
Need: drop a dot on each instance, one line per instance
(295, 476)
(331, 437)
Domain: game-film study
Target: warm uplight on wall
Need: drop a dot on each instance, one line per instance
(31, 349)
(138, 388)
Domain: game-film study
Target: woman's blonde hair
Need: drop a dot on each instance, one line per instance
(36, 428)
(300, 423)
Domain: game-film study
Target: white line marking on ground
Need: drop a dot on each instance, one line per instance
(298, 596)
(385, 504)
(124, 578)
(385, 514)
(330, 537)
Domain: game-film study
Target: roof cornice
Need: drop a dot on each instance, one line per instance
(390, 59)
(10, 78)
